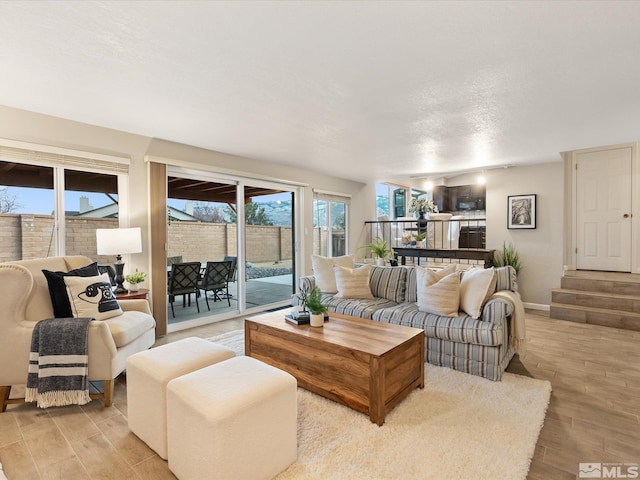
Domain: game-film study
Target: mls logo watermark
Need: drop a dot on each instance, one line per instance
(608, 470)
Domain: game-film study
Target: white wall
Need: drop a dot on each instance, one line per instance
(540, 249)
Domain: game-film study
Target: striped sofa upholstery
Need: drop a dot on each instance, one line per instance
(476, 346)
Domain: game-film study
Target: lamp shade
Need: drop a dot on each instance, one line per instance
(118, 241)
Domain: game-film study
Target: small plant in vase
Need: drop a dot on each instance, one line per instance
(420, 236)
(135, 279)
(316, 307)
(379, 249)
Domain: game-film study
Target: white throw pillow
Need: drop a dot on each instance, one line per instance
(323, 270)
(353, 282)
(92, 297)
(442, 296)
(477, 285)
(428, 276)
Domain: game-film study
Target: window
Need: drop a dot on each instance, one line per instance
(391, 200)
(52, 200)
(330, 224)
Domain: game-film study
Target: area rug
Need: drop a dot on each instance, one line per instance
(459, 426)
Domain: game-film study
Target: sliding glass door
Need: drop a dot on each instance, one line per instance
(216, 218)
(269, 245)
(201, 228)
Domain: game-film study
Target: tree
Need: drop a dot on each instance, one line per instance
(207, 212)
(8, 203)
(254, 214)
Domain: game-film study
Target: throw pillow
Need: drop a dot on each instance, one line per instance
(92, 297)
(429, 276)
(58, 289)
(477, 285)
(388, 282)
(323, 270)
(353, 282)
(441, 297)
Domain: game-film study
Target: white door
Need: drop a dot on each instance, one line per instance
(603, 210)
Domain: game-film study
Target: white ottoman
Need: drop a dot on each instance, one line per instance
(235, 420)
(149, 372)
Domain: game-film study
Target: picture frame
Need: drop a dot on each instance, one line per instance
(521, 211)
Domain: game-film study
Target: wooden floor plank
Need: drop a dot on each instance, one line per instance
(17, 462)
(102, 460)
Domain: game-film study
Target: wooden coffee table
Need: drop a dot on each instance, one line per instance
(366, 365)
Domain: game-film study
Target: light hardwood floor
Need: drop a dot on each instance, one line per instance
(593, 415)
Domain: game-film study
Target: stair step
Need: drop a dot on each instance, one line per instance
(608, 282)
(609, 301)
(596, 316)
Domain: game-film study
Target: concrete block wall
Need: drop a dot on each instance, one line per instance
(201, 242)
(81, 236)
(24, 236)
(10, 248)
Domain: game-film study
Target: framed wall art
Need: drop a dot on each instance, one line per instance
(521, 211)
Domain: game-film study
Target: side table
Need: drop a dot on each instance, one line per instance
(142, 293)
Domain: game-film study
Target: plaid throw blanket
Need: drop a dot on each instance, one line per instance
(58, 363)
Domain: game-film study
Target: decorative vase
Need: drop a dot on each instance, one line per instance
(422, 220)
(134, 287)
(380, 262)
(420, 243)
(317, 320)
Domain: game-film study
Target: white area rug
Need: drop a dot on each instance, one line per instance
(458, 427)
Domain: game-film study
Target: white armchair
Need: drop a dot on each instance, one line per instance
(25, 300)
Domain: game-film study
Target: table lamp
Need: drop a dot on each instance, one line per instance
(119, 241)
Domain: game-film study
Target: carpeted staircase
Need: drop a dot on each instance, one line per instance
(611, 299)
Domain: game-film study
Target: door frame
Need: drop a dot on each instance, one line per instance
(570, 204)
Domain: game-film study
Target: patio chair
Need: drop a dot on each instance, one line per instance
(234, 267)
(216, 280)
(183, 280)
(234, 271)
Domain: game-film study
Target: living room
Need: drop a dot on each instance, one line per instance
(45, 114)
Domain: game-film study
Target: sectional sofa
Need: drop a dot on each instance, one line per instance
(477, 346)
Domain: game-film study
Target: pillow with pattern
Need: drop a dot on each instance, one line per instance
(436, 294)
(323, 270)
(58, 289)
(92, 297)
(353, 282)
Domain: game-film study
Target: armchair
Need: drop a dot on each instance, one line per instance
(26, 300)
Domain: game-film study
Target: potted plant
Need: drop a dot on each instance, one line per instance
(380, 250)
(135, 279)
(508, 256)
(316, 307)
(420, 236)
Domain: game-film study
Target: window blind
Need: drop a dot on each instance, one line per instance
(50, 156)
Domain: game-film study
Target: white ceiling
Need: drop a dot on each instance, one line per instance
(364, 90)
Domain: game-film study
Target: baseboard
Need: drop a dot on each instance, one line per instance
(537, 306)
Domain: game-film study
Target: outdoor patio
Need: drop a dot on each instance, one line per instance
(259, 291)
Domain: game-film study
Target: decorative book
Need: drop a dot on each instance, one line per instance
(298, 318)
